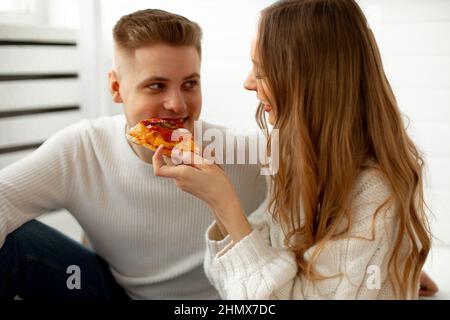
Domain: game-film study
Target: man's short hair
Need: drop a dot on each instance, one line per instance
(154, 26)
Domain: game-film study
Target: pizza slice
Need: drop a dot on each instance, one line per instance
(151, 133)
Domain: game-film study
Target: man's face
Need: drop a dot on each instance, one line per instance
(159, 81)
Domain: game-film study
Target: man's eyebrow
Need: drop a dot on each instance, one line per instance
(194, 75)
(162, 79)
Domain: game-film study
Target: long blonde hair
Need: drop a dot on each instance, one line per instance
(334, 110)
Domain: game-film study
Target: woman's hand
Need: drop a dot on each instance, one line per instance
(200, 177)
(428, 287)
(208, 182)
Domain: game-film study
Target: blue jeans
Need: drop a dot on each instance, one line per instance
(35, 263)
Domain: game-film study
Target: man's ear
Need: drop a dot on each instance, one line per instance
(114, 86)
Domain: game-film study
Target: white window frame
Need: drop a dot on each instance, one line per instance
(37, 15)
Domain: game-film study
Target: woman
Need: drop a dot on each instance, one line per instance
(345, 218)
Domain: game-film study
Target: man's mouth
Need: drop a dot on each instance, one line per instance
(185, 120)
(170, 121)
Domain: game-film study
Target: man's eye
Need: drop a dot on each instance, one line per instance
(190, 84)
(156, 86)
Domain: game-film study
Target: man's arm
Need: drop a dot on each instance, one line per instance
(39, 182)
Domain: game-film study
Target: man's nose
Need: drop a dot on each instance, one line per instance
(175, 102)
(250, 82)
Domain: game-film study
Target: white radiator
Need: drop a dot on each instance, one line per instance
(39, 87)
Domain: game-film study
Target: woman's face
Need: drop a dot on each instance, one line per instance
(257, 82)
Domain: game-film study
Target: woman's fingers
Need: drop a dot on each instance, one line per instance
(180, 165)
(189, 158)
(168, 161)
(157, 159)
(161, 169)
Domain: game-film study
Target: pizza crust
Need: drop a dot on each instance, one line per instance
(143, 136)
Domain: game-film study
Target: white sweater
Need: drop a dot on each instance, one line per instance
(150, 233)
(260, 267)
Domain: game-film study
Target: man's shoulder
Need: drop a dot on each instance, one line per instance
(206, 125)
(230, 131)
(97, 124)
(238, 139)
(88, 131)
(103, 127)
(107, 123)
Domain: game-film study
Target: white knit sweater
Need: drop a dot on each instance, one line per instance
(150, 233)
(260, 267)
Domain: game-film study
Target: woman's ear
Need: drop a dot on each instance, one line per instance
(114, 85)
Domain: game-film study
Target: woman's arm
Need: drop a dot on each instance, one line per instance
(250, 267)
(209, 183)
(232, 219)
(356, 266)
(222, 230)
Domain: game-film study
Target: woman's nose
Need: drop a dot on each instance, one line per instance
(250, 82)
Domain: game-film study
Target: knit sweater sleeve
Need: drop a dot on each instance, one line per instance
(39, 182)
(254, 268)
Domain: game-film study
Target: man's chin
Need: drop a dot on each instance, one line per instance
(189, 124)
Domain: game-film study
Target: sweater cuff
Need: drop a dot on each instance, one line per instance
(214, 239)
(245, 257)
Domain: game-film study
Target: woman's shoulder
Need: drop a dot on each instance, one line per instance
(370, 180)
(372, 191)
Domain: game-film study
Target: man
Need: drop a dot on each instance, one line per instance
(147, 235)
